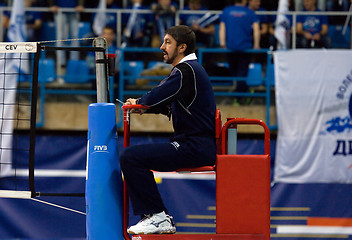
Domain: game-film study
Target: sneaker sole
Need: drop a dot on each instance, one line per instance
(171, 231)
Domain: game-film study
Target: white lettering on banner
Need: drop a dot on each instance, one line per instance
(10, 47)
(314, 105)
(344, 86)
(18, 47)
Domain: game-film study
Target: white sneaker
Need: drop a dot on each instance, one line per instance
(159, 223)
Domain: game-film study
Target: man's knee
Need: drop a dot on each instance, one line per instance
(125, 158)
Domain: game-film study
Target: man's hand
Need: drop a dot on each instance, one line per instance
(256, 46)
(130, 101)
(316, 37)
(79, 8)
(133, 101)
(307, 35)
(54, 9)
(195, 27)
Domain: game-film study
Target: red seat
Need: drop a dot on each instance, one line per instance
(197, 169)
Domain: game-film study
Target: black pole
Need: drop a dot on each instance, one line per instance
(33, 121)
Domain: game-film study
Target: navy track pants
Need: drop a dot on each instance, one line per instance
(137, 162)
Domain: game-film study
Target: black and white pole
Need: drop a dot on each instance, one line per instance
(101, 70)
(103, 179)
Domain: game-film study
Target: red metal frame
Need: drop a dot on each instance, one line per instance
(127, 109)
(237, 121)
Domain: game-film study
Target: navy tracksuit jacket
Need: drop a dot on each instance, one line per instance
(187, 95)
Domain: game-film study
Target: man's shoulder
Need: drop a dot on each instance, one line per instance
(183, 66)
(188, 65)
(228, 8)
(249, 11)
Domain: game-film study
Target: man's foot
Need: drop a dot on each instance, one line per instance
(159, 223)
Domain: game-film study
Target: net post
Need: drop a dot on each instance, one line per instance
(33, 120)
(101, 70)
(103, 180)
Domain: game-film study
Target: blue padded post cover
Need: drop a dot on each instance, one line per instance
(103, 180)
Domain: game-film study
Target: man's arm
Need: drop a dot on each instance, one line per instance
(264, 28)
(324, 29)
(210, 29)
(307, 35)
(299, 28)
(80, 6)
(222, 34)
(157, 110)
(166, 92)
(323, 32)
(256, 35)
(159, 98)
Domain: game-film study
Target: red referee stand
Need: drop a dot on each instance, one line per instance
(242, 188)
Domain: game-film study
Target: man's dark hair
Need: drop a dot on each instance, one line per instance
(183, 34)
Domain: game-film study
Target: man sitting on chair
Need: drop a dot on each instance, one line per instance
(186, 96)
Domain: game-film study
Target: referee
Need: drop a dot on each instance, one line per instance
(185, 96)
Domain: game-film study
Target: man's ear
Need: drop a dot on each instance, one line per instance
(182, 48)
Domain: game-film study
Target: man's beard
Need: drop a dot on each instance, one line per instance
(172, 58)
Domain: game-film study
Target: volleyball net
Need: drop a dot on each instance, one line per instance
(21, 65)
(18, 103)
